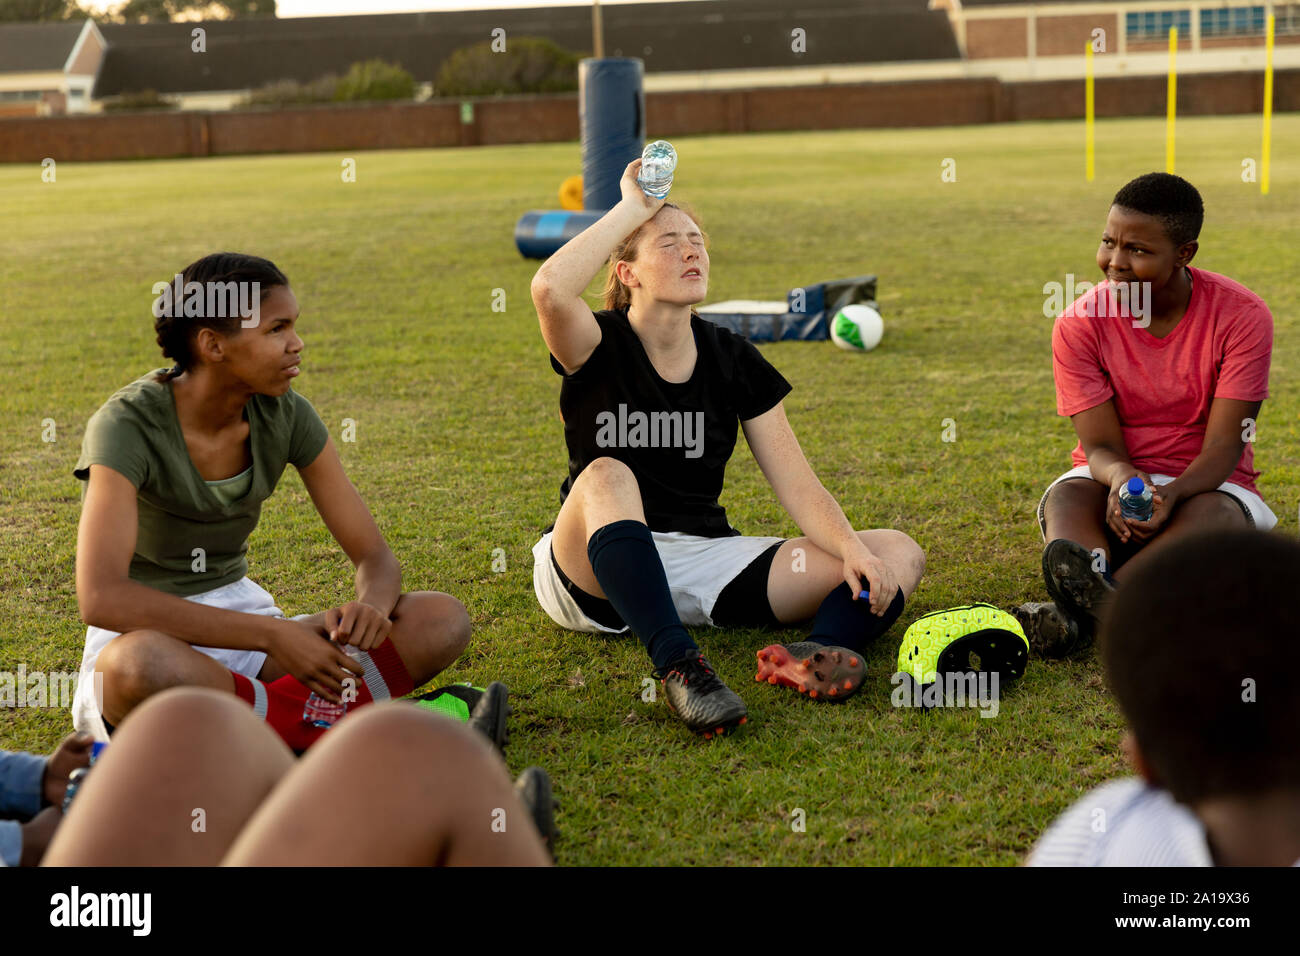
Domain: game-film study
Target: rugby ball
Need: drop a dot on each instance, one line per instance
(857, 328)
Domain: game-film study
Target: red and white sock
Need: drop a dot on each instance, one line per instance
(280, 703)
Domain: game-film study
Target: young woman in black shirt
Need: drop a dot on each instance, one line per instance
(651, 398)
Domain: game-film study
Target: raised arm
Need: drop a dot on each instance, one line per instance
(567, 322)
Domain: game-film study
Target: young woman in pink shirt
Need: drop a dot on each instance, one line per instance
(1162, 369)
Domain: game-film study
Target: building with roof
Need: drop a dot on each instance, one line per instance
(682, 43)
(1030, 29)
(48, 68)
(691, 45)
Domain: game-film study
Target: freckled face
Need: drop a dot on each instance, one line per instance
(672, 263)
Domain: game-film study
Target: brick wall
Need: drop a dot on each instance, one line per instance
(555, 118)
(1002, 37)
(1059, 36)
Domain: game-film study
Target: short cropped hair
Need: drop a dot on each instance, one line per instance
(1198, 647)
(1171, 199)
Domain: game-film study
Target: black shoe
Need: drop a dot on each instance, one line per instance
(1080, 593)
(490, 714)
(483, 708)
(696, 695)
(534, 790)
(1049, 632)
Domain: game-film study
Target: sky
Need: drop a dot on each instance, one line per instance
(322, 8)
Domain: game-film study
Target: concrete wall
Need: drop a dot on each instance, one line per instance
(525, 119)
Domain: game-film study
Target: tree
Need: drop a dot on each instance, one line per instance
(376, 80)
(31, 11)
(162, 11)
(141, 100)
(527, 65)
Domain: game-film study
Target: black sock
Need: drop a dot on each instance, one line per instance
(627, 565)
(843, 622)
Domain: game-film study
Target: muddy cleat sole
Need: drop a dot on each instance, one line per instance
(533, 787)
(822, 672)
(695, 694)
(1080, 592)
(1049, 632)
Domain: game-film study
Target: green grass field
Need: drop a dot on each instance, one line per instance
(459, 449)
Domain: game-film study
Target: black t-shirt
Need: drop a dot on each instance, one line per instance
(676, 438)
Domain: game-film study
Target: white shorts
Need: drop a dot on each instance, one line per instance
(244, 595)
(697, 569)
(1258, 514)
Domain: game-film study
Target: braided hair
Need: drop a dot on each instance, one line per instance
(175, 331)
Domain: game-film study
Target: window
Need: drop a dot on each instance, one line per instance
(1155, 24)
(1286, 18)
(1237, 21)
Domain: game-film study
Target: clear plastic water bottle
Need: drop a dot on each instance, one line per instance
(74, 784)
(78, 776)
(1135, 500)
(320, 712)
(658, 163)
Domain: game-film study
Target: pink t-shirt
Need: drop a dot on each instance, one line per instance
(1163, 387)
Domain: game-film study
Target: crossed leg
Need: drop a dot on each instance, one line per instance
(606, 491)
(1208, 511)
(194, 779)
(1076, 510)
(798, 582)
(430, 630)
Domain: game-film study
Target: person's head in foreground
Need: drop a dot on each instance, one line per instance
(256, 352)
(1197, 649)
(1151, 233)
(664, 263)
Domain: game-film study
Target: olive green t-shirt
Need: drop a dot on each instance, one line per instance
(137, 433)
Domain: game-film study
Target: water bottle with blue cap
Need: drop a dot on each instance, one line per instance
(1136, 500)
(78, 776)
